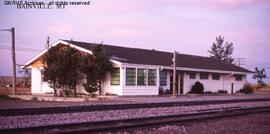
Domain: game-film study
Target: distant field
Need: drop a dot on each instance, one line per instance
(255, 86)
(266, 88)
(264, 91)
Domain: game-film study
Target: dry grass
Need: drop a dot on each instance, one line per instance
(257, 87)
(265, 88)
(263, 91)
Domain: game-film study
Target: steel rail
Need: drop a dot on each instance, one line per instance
(114, 125)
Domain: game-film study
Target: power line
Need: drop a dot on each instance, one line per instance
(4, 42)
(21, 49)
(24, 50)
(8, 41)
(3, 36)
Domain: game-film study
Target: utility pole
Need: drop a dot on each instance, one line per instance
(13, 60)
(12, 30)
(174, 73)
(47, 45)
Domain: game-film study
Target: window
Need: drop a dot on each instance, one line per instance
(130, 76)
(152, 77)
(42, 75)
(238, 77)
(192, 75)
(163, 78)
(115, 76)
(215, 76)
(141, 77)
(204, 76)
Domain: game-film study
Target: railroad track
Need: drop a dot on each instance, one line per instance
(114, 125)
(89, 108)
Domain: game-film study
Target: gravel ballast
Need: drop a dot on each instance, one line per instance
(51, 119)
(258, 123)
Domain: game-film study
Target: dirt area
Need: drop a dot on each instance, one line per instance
(246, 124)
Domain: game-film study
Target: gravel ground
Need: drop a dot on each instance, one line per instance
(10, 104)
(7, 104)
(245, 124)
(49, 119)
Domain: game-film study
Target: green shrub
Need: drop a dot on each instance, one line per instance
(93, 95)
(247, 89)
(4, 96)
(61, 93)
(197, 88)
(91, 88)
(111, 94)
(208, 92)
(222, 91)
(34, 98)
(67, 92)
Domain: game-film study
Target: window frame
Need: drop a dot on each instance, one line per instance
(161, 78)
(191, 74)
(112, 75)
(204, 78)
(215, 78)
(237, 76)
(145, 72)
(130, 76)
(154, 76)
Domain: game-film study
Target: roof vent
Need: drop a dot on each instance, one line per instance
(118, 58)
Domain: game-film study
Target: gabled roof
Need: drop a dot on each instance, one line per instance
(154, 57)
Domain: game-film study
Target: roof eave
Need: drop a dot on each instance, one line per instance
(27, 64)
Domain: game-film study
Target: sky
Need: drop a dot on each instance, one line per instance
(187, 26)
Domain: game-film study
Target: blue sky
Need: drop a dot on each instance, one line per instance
(187, 26)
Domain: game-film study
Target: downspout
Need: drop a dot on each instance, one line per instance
(224, 79)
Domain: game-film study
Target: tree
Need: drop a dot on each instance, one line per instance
(65, 66)
(69, 70)
(61, 68)
(91, 84)
(221, 51)
(260, 74)
(26, 82)
(197, 88)
(247, 89)
(52, 65)
(96, 66)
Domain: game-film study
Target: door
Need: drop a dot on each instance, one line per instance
(181, 83)
(177, 82)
